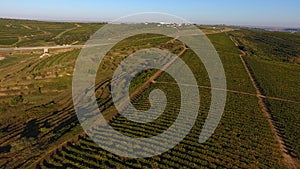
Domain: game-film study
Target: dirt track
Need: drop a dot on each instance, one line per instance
(155, 76)
(233, 91)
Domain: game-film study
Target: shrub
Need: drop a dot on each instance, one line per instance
(18, 99)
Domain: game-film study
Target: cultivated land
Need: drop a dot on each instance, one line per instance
(39, 127)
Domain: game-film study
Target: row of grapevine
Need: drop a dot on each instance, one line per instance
(238, 142)
(243, 138)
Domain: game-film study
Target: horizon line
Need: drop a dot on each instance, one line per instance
(99, 21)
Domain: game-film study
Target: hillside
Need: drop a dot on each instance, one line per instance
(39, 127)
(20, 33)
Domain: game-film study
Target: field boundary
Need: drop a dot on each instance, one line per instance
(232, 91)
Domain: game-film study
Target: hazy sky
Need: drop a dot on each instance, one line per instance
(284, 13)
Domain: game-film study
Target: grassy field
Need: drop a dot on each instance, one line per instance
(39, 127)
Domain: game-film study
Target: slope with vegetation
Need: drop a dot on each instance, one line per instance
(20, 33)
(39, 127)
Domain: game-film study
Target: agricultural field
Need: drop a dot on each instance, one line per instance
(20, 33)
(281, 80)
(39, 127)
(274, 65)
(276, 46)
(36, 102)
(238, 128)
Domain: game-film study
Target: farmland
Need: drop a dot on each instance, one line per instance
(20, 33)
(276, 46)
(278, 77)
(281, 80)
(39, 126)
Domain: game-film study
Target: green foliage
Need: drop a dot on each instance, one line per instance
(16, 100)
(79, 34)
(140, 79)
(242, 139)
(8, 40)
(236, 76)
(277, 79)
(238, 142)
(38, 33)
(278, 46)
(287, 119)
(281, 80)
(44, 130)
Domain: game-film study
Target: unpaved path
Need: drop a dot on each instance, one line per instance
(154, 76)
(67, 30)
(231, 91)
(27, 27)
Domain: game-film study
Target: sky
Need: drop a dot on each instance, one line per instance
(275, 13)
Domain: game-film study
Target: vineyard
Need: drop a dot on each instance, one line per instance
(277, 46)
(238, 128)
(242, 139)
(40, 88)
(18, 33)
(39, 127)
(281, 80)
